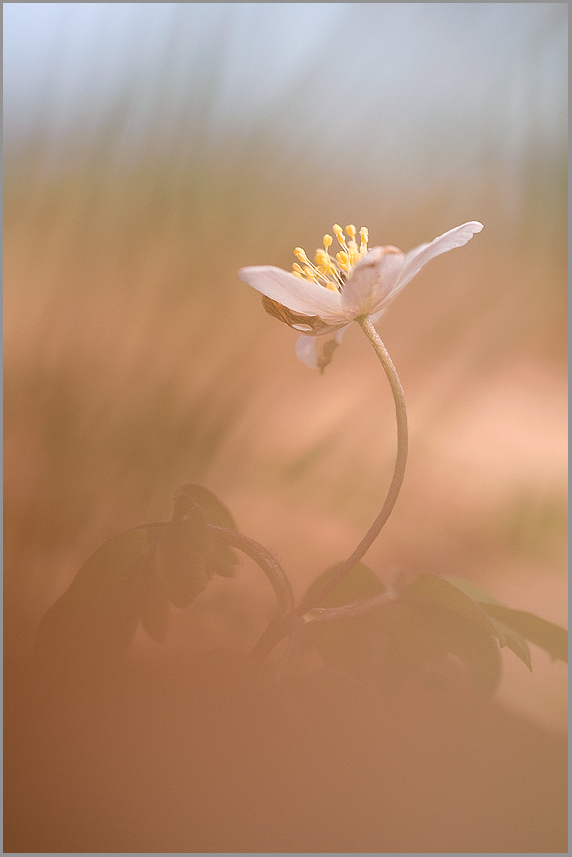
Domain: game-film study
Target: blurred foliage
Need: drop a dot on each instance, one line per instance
(131, 578)
(430, 627)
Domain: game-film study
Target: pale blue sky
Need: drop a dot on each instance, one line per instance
(425, 87)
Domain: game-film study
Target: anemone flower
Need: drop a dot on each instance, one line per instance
(324, 297)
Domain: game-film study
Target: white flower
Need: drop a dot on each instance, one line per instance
(324, 297)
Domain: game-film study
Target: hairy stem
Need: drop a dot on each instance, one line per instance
(347, 611)
(275, 632)
(398, 473)
(269, 565)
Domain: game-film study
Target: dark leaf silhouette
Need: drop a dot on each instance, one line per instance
(447, 631)
(431, 588)
(552, 638)
(213, 509)
(152, 602)
(133, 577)
(512, 639)
(360, 583)
(420, 632)
(91, 625)
(519, 625)
(180, 557)
(220, 559)
(188, 554)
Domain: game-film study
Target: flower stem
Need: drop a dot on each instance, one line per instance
(271, 636)
(398, 473)
(348, 611)
(270, 566)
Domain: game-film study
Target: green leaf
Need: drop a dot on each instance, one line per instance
(417, 633)
(552, 638)
(134, 576)
(360, 583)
(519, 625)
(114, 564)
(213, 509)
(180, 557)
(152, 603)
(92, 624)
(514, 641)
(220, 559)
(342, 644)
(472, 590)
(429, 587)
(448, 631)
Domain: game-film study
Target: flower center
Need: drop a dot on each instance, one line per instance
(327, 271)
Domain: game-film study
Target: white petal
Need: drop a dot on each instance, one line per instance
(293, 292)
(376, 316)
(307, 348)
(306, 351)
(456, 237)
(372, 280)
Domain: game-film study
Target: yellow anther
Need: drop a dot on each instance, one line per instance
(355, 254)
(324, 262)
(329, 272)
(343, 260)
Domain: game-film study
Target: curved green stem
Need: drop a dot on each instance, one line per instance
(272, 635)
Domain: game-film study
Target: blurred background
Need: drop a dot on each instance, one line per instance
(153, 149)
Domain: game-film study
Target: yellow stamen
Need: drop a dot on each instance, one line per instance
(355, 254)
(339, 233)
(327, 271)
(343, 260)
